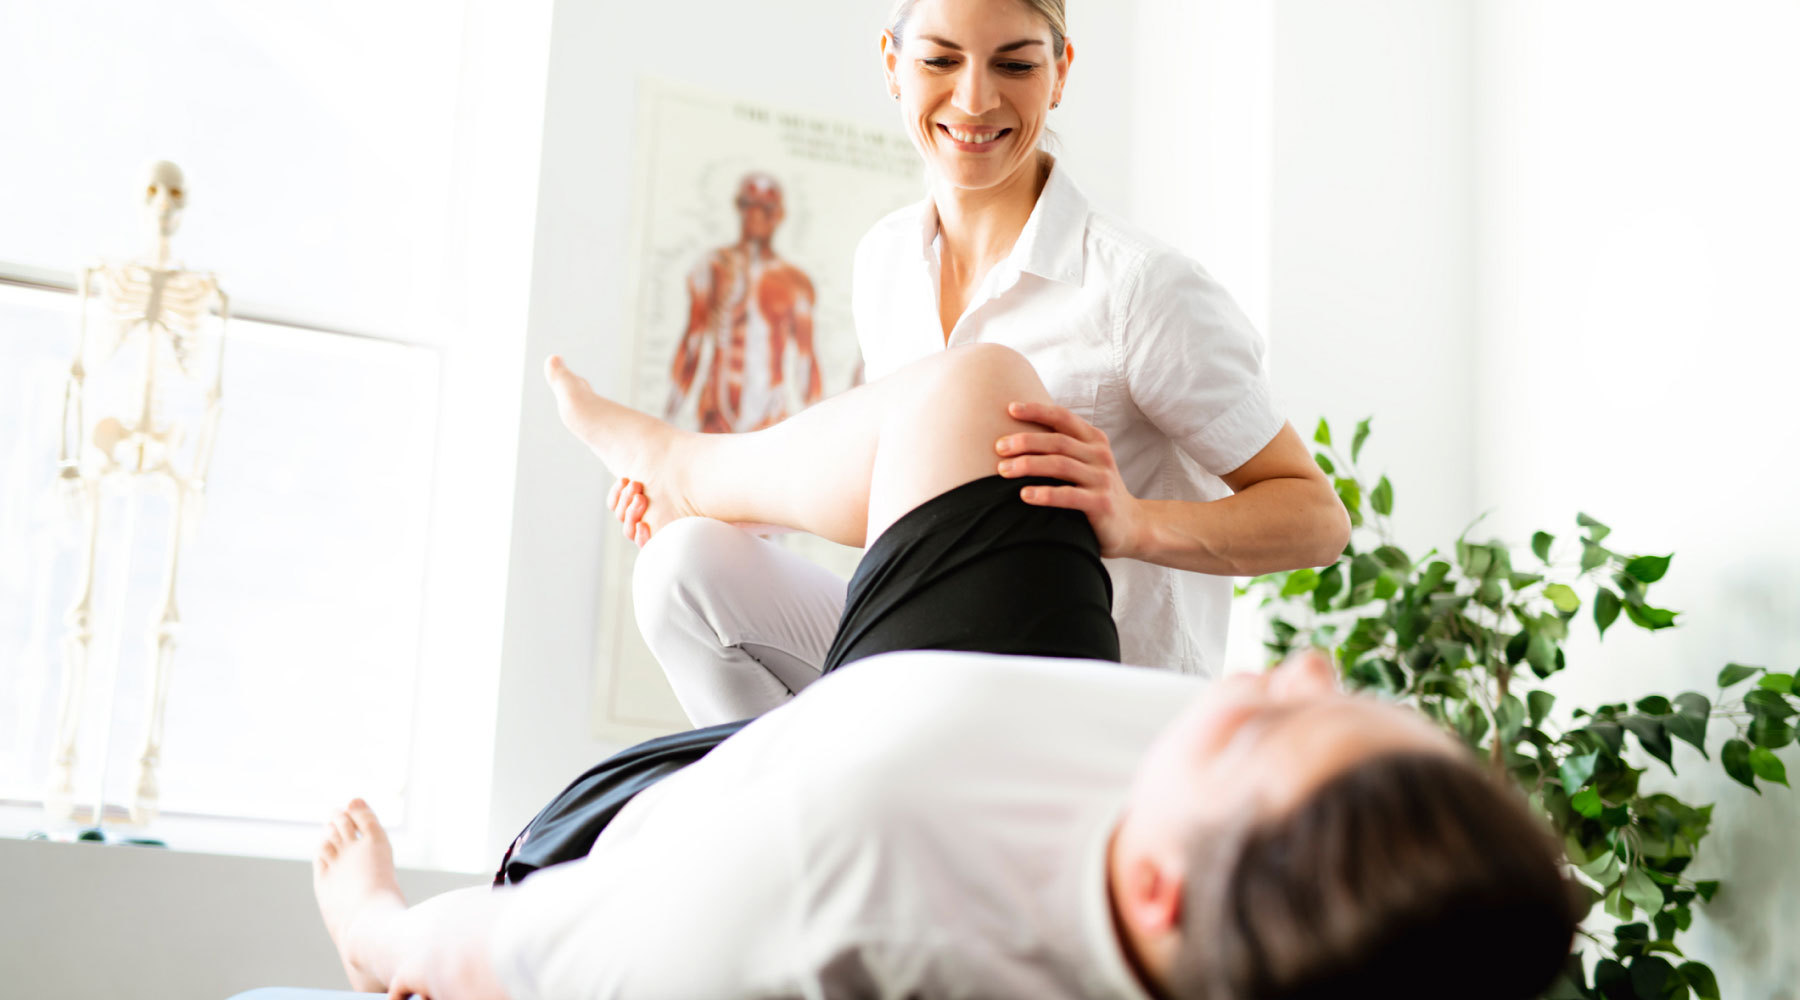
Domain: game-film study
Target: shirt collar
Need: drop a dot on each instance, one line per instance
(1109, 974)
(1050, 245)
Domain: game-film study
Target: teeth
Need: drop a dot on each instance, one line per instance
(976, 137)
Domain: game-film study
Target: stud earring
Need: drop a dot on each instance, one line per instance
(896, 97)
(1055, 104)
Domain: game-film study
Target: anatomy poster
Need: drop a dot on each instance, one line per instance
(744, 227)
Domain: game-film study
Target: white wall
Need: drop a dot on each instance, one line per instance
(90, 921)
(1371, 273)
(776, 52)
(1637, 342)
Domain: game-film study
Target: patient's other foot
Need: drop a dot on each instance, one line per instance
(632, 445)
(353, 878)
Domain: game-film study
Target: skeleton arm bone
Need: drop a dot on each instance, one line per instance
(209, 422)
(69, 453)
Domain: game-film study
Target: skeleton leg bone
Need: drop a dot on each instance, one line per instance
(145, 801)
(59, 796)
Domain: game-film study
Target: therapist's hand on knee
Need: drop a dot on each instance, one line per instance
(1074, 450)
(628, 504)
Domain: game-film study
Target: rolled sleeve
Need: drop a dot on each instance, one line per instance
(1194, 366)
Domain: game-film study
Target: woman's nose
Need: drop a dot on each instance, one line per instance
(974, 94)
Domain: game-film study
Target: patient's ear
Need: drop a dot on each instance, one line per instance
(1152, 898)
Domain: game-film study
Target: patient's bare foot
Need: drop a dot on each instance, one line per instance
(632, 445)
(353, 878)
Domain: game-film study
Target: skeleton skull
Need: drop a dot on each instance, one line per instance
(164, 197)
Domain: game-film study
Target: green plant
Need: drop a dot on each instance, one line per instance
(1468, 637)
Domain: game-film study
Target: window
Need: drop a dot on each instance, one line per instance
(300, 591)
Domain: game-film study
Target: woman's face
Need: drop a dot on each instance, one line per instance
(976, 79)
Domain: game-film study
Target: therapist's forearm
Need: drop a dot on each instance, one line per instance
(1276, 524)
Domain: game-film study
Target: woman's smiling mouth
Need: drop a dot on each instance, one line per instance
(973, 140)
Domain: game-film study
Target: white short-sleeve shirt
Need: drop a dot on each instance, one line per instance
(1132, 337)
(920, 825)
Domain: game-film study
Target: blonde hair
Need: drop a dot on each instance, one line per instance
(1050, 10)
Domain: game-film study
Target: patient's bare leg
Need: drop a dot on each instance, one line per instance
(353, 879)
(933, 424)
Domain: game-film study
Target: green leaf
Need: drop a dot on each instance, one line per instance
(1577, 769)
(1768, 705)
(1736, 758)
(1331, 581)
(1350, 492)
(1323, 434)
(1563, 596)
(1693, 704)
(1652, 736)
(1650, 976)
(1606, 609)
(1539, 703)
(1434, 576)
(1394, 558)
(1690, 730)
(1302, 581)
(1386, 586)
(1596, 531)
(1701, 979)
(1363, 569)
(1362, 434)
(1587, 803)
(1382, 499)
(1649, 618)
(1604, 867)
(1609, 975)
(1642, 891)
(1655, 704)
(1540, 652)
(1771, 733)
(1592, 556)
(1736, 673)
(1707, 889)
(1767, 766)
(1325, 464)
(1778, 683)
(1648, 569)
(1540, 545)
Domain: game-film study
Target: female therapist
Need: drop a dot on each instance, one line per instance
(1164, 422)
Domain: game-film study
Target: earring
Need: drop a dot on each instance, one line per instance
(896, 96)
(1055, 104)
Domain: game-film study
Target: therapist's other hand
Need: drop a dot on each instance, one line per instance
(628, 504)
(1077, 451)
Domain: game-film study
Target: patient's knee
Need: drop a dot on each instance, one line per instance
(674, 567)
(980, 379)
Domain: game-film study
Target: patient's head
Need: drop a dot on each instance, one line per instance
(1284, 839)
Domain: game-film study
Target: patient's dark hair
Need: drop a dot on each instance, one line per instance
(1408, 875)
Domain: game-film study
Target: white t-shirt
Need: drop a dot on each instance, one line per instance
(1128, 334)
(921, 824)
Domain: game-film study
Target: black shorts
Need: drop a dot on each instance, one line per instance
(980, 570)
(974, 569)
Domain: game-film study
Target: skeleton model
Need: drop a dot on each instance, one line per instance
(142, 347)
(750, 320)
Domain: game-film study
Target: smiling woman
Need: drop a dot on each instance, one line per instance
(1160, 426)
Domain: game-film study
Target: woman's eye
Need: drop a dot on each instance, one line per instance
(939, 62)
(1018, 67)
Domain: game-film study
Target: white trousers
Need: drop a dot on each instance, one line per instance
(739, 624)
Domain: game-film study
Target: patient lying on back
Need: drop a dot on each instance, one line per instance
(961, 824)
